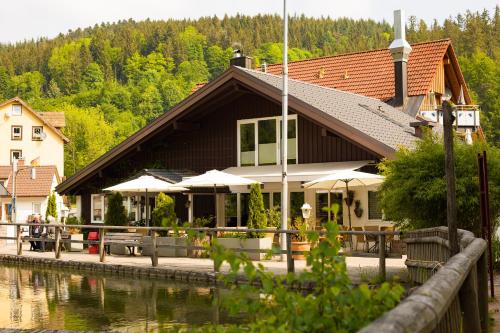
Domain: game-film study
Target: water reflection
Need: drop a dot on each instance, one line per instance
(61, 300)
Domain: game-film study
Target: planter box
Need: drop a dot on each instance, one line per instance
(194, 253)
(265, 243)
(300, 246)
(147, 249)
(74, 247)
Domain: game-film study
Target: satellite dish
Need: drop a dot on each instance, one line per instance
(43, 136)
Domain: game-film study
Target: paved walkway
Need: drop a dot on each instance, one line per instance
(494, 306)
(359, 269)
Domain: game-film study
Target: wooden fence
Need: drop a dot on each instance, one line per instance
(210, 232)
(453, 296)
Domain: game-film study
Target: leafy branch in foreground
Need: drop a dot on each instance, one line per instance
(271, 305)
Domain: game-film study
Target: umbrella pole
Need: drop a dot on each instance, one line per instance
(348, 206)
(147, 208)
(215, 203)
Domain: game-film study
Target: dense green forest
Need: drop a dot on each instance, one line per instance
(113, 78)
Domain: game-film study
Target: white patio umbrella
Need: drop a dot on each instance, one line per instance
(215, 178)
(145, 184)
(345, 178)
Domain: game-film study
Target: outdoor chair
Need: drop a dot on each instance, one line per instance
(360, 239)
(388, 238)
(372, 238)
(345, 238)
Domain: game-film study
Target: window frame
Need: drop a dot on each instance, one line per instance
(103, 213)
(14, 113)
(33, 204)
(381, 213)
(255, 121)
(12, 151)
(33, 138)
(14, 138)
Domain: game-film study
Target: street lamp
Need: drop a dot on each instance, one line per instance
(306, 210)
(15, 170)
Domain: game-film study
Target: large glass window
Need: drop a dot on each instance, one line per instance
(292, 141)
(259, 143)
(97, 208)
(247, 144)
(296, 202)
(267, 142)
(231, 209)
(277, 200)
(244, 201)
(266, 197)
(374, 211)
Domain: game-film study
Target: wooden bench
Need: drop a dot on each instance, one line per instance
(117, 240)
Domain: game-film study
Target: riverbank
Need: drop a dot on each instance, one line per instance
(360, 269)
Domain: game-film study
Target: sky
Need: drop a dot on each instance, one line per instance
(27, 19)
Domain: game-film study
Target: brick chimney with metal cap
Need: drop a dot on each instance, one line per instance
(240, 60)
(400, 50)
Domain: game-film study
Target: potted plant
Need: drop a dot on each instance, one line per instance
(350, 198)
(257, 219)
(199, 238)
(116, 216)
(358, 211)
(163, 215)
(75, 234)
(300, 240)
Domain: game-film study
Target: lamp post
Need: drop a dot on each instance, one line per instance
(15, 170)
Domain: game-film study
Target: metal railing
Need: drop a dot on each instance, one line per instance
(380, 236)
(454, 293)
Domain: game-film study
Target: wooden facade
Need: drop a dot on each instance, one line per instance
(207, 139)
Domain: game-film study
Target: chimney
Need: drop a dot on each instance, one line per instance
(240, 60)
(400, 50)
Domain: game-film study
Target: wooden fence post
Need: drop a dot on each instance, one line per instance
(154, 252)
(57, 245)
(482, 291)
(19, 241)
(102, 252)
(381, 257)
(469, 303)
(290, 263)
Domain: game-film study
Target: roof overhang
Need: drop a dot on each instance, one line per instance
(233, 76)
(296, 172)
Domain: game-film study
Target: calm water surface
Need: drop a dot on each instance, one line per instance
(50, 299)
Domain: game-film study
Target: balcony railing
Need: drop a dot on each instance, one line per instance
(468, 115)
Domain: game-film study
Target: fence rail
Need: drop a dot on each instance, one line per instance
(210, 232)
(453, 296)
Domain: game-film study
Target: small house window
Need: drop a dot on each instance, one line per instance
(16, 132)
(374, 211)
(98, 205)
(15, 154)
(231, 209)
(36, 208)
(17, 109)
(36, 133)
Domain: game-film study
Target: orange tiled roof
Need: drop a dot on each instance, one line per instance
(38, 187)
(5, 171)
(370, 73)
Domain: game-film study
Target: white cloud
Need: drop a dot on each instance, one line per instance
(26, 19)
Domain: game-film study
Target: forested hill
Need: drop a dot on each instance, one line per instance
(111, 79)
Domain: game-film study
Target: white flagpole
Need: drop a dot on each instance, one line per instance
(284, 133)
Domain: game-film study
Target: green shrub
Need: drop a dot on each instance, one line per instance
(164, 212)
(257, 218)
(334, 305)
(115, 214)
(73, 220)
(414, 191)
(51, 207)
(274, 217)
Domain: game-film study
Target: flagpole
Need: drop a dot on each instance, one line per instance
(284, 134)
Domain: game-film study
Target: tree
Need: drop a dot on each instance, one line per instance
(191, 44)
(28, 85)
(93, 77)
(257, 217)
(51, 207)
(218, 60)
(5, 84)
(192, 72)
(163, 214)
(115, 213)
(150, 105)
(414, 191)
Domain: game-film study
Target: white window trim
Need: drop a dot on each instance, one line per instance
(92, 196)
(33, 207)
(20, 110)
(278, 138)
